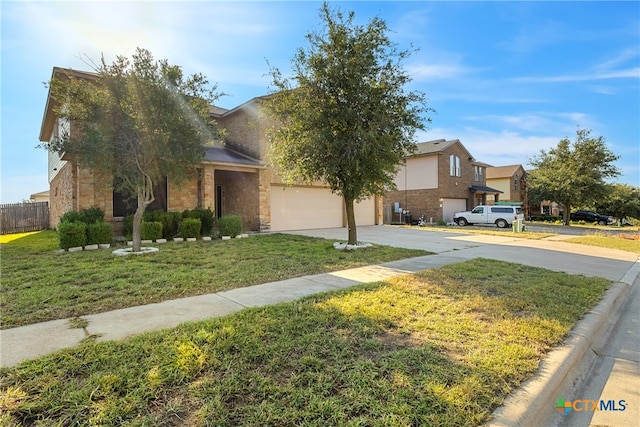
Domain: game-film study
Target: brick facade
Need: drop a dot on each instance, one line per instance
(428, 201)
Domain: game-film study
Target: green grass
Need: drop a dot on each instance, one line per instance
(439, 348)
(39, 284)
(611, 242)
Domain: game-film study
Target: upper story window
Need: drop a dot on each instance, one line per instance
(454, 165)
(515, 182)
(479, 173)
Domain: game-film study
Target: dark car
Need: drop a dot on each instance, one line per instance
(590, 216)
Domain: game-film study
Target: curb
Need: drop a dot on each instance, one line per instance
(565, 367)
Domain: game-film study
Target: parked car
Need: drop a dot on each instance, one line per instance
(501, 216)
(590, 216)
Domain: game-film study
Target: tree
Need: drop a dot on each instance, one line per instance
(623, 201)
(348, 120)
(573, 173)
(137, 120)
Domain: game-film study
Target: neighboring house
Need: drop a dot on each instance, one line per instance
(42, 196)
(233, 178)
(512, 181)
(440, 178)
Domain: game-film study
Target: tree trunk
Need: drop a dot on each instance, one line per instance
(566, 213)
(351, 221)
(137, 227)
(145, 198)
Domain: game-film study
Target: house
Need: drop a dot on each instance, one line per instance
(440, 178)
(512, 181)
(42, 196)
(232, 178)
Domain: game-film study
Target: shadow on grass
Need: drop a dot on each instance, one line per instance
(440, 348)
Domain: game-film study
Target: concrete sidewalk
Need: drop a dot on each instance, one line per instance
(599, 360)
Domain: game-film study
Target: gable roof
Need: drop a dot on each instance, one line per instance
(502, 171)
(49, 117)
(438, 146)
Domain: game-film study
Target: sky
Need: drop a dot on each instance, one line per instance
(508, 79)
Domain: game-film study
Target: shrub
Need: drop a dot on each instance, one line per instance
(72, 234)
(98, 232)
(91, 215)
(71, 216)
(190, 227)
(205, 216)
(151, 230)
(231, 225)
(170, 222)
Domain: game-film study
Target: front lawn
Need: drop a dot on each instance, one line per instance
(439, 348)
(625, 242)
(39, 284)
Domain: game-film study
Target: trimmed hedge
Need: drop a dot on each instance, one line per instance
(206, 217)
(99, 233)
(87, 216)
(190, 227)
(151, 230)
(72, 234)
(230, 225)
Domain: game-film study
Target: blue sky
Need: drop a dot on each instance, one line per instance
(506, 78)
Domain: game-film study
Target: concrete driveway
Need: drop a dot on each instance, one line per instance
(553, 255)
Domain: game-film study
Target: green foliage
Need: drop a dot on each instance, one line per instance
(574, 173)
(151, 230)
(623, 201)
(170, 222)
(442, 222)
(136, 120)
(545, 218)
(99, 232)
(347, 119)
(230, 225)
(71, 216)
(190, 227)
(91, 215)
(205, 216)
(72, 234)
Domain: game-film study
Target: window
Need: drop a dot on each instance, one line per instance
(479, 173)
(515, 182)
(124, 204)
(477, 210)
(454, 165)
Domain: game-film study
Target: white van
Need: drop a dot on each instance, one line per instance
(501, 216)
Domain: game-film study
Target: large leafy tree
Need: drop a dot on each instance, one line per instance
(346, 116)
(575, 173)
(137, 120)
(623, 201)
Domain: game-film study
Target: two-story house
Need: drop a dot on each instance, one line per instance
(440, 178)
(232, 178)
(511, 180)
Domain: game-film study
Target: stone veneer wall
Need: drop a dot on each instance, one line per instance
(62, 193)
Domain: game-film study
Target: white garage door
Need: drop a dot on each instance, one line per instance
(299, 208)
(451, 206)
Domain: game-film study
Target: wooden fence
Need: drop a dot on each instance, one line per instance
(21, 217)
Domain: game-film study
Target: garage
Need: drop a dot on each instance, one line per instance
(300, 208)
(451, 206)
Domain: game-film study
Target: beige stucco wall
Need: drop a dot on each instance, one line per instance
(418, 173)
